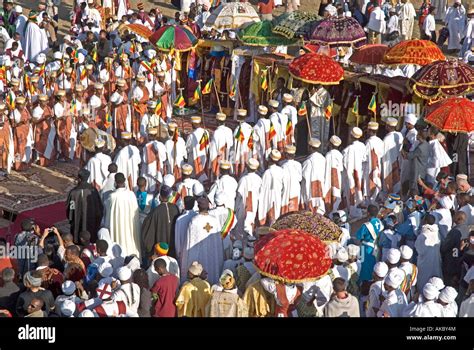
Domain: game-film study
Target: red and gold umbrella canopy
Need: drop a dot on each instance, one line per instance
(452, 115)
(138, 29)
(443, 79)
(314, 68)
(179, 38)
(323, 50)
(420, 52)
(370, 54)
(291, 256)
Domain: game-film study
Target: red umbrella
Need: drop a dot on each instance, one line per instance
(291, 256)
(323, 50)
(314, 68)
(369, 54)
(443, 78)
(421, 52)
(452, 115)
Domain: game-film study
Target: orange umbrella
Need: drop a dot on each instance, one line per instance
(138, 29)
(314, 68)
(370, 54)
(452, 115)
(416, 51)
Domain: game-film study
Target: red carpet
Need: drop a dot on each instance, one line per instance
(44, 216)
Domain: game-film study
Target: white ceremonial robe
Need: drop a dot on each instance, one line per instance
(354, 156)
(467, 307)
(264, 145)
(428, 308)
(123, 220)
(203, 244)
(36, 41)
(438, 159)
(222, 141)
(246, 203)
(292, 176)
(153, 164)
(319, 124)
(394, 304)
(176, 154)
(181, 231)
(321, 291)
(197, 154)
(129, 293)
(279, 121)
(407, 20)
(228, 185)
(149, 121)
(427, 246)
(107, 187)
(314, 171)
(291, 114)
(450, 310)
(241, 151)
(373, 169)
(411, 275)
(128, 160)
(393, 143)
(185, 188)
(455, 22)
(373, 302)
(333, 180)
(221, 213)
(98, 167)
(269, 202)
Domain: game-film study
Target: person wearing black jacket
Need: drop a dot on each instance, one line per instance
(450, 254)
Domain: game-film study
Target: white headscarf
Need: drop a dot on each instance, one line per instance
(114, 250)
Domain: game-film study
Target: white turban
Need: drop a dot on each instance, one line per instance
(169, 180)
(124, 273)
(448, 295)
(105, 269)
(393, 256)
(68, 307)
(353, 250)
(198, 189)
(430, 292)
(342, 255)
(437, 282)
(95, 101)
(68, 287)
(220, 198)
(406, 252)
(381, 269)
(411, 118)
(395, 278)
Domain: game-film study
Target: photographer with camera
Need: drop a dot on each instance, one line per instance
(27, 239)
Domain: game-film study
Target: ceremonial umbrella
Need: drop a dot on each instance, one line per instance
(323, 50)
(179, 38)
(452, 115)
(296, 24)
(370, 54)
(340, 31)
(420, 52)
(260, 34)
(314, 68)
(443, 78)
(316, 224)
(232, 15)
(136, 28)
(291, 256)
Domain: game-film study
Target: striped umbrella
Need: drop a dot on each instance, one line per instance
(179, 38)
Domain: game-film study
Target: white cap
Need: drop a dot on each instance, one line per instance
(381, 269)
(220, 198)
(262, 110)
(68, 287)
(68, 307)
(342, 255)
(18, 9)
(390, 121)
(411, 118)
(373, 126)
(195, 268)
(151, 104)
(335, 140)
(437, 282)
(393, 256)
(98, 86)
(406, 252)
(241, 112)
(313, 142)
(198, 189)
(275, 155)
(430, 292)
(225, 164)
(221, 116)
(395, 278)
(196, 119)
(290, 149)
(273, 103)
(125, 135)
(448, 295)
(67, 37)
(356, 132)
(287, 98)
(124, 273)
(187, 169)
(253, 164)
(105, 269)
(169, 180)
(140, 78)
(353, 250)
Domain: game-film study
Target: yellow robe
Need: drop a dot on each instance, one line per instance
(193, 298)
(259, 302)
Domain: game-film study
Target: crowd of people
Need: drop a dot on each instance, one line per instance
(163, 222)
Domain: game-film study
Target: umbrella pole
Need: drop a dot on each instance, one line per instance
(202, 105)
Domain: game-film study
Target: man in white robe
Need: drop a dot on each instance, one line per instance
(392, 145)
(376, 289)
(225, 183)
(222, 141)
(292, 118)
(264, 144)
(293, 174)
(410, 142)
(407, 19)
(122, 7)
(269, 202)
(395, 300)
(204, 244)
(428, 307)
(246, 202)
(175, 150)
(313, 183)
(36, 40)
(149, 120)
(354, 159)
(98, 165)
(373, 170)
(109, 183)
(244, 145)
(154, 159)
(227, 222)
(181, 226)
(455, 21)
(438, 157)
(197, 146)
(278, 120)
(320, 100)
(122, 217)
(333, 177)
(185, 188)
(128, 160)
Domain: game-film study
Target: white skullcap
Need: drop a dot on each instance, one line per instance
(342, 255)
(394, 278)
(105, 269)
(437, 282)
(356, 132)
(373, 126)
(430, 292)
(241, 112)
(273, 103)
(262, 110)
(381, 269)
(313, 142)
(86, 313)
(353, 250)
(253, 164)
(393, 256)
(335, 140)
(406, 252)
(225, 164)
(287, 98)
(390, 121)
(68, 287)
(68, 307)
(169, 180)
(187, 169)
(248, 253)
(448, 295)
(198, 189)
(67, 37)
(275, 155)
(124, 273)
(411, 118)
(18, 9)
(220, 198)
(236, 254)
